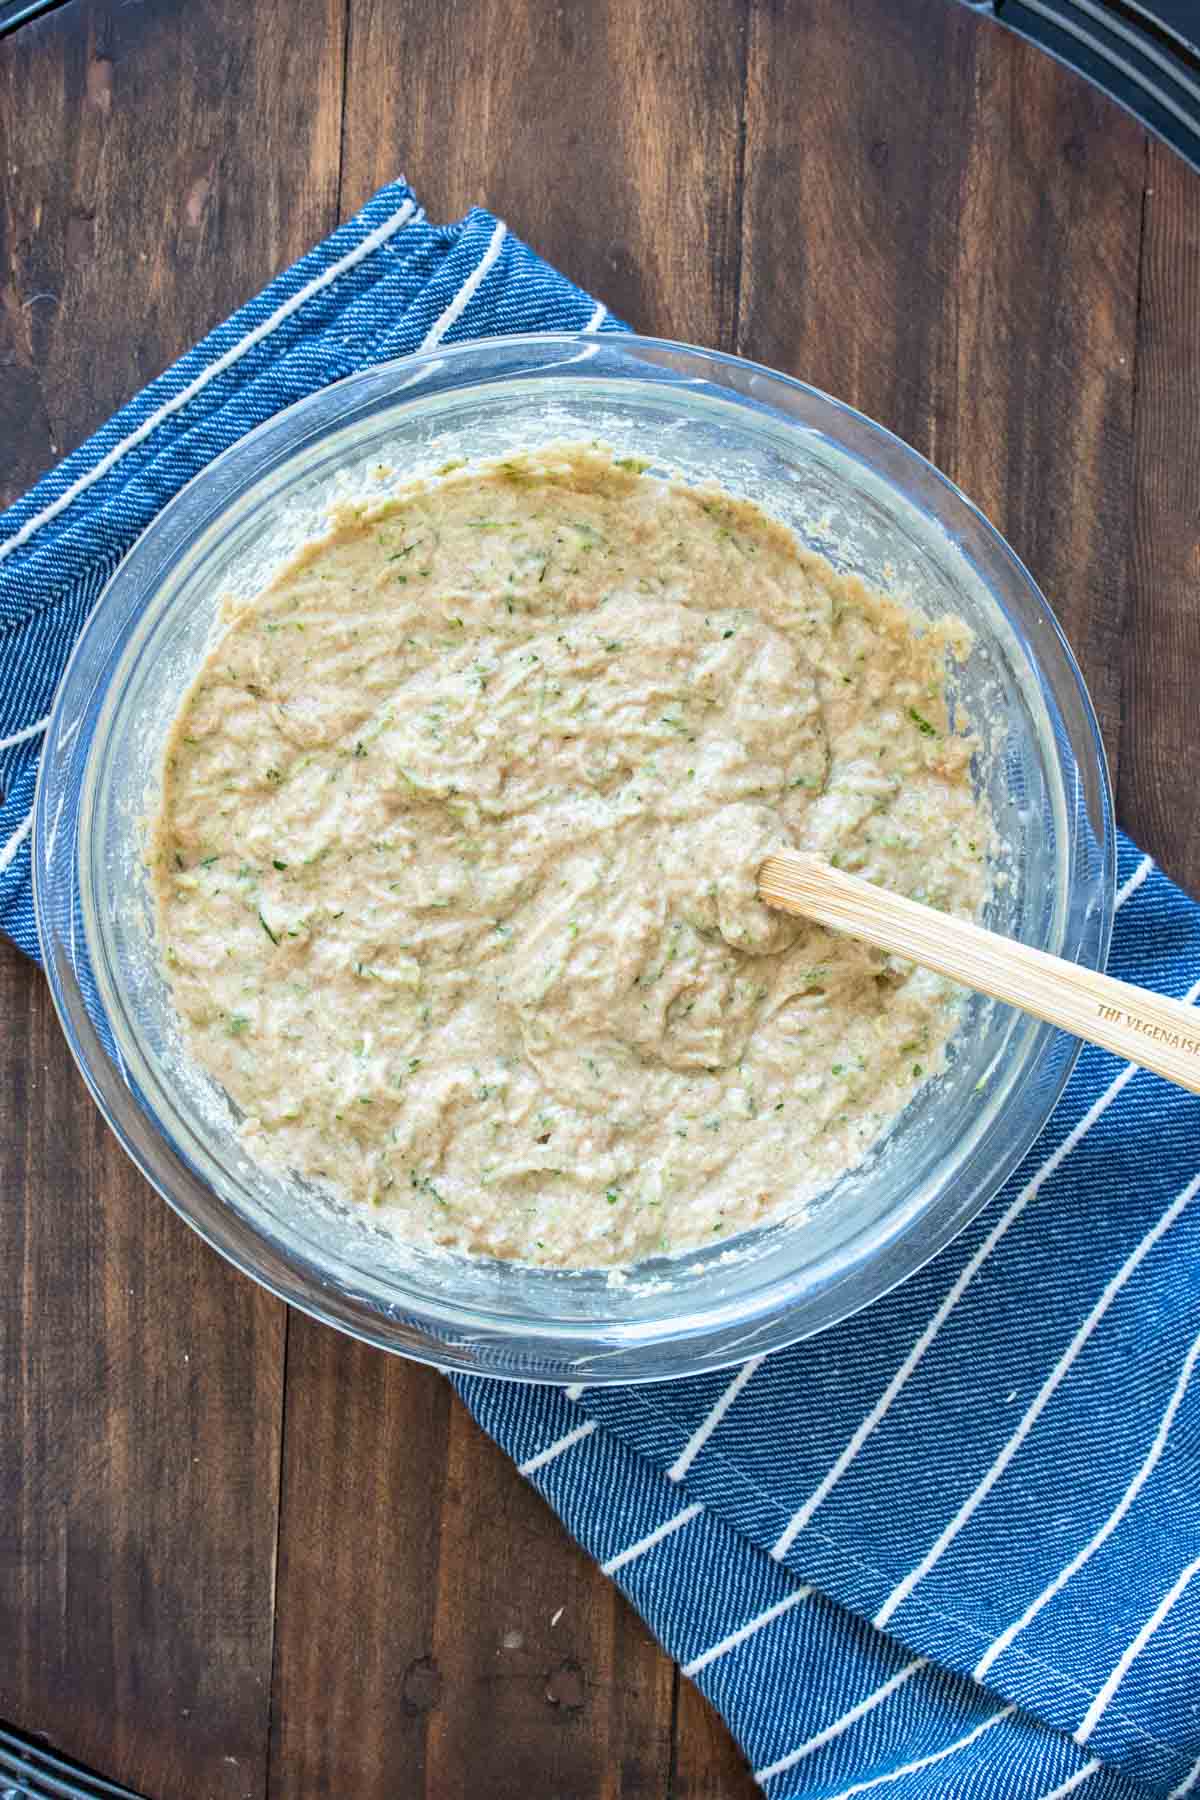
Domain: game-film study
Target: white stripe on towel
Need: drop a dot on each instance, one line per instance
(883, 1405)
(745, 1631)
(925, 1762)
(598, 317)
(708, 1425)
(23, 736)
(467, 291)
(1128, 888)
(1073, 1781)
(353, 257)
(1041, 1400)
(15, 841)
(1132, 1650)
(651, 1538)
(1106, 1530)
(844, 1723)
(556, 1449)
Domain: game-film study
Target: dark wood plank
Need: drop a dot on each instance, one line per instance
(140, 1378)
(1047, 288)
(160, 164)
(558, 1687)
(365, 1453)
(708, 1764)
(851, 202)
(951, 245)
(607, 135)
(474, 1641)
(142, 1395)
(1159, 797)
(642, 208)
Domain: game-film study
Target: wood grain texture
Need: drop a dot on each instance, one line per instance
(959, 260)
(607, 134)
(1159, 797)
(141, 1381)
(1047, 285)
(708, 1764)
(851, 202)
(365, 1472)
(555, 1666)
(144, 195)
(161, 163)
(432, 1615)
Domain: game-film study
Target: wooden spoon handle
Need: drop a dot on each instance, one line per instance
(1160, 1034)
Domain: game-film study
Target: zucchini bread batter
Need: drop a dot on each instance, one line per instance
(458, 843)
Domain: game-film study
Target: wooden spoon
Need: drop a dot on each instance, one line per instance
(1160, 1034)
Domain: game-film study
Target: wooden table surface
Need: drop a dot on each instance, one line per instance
(239, 1554)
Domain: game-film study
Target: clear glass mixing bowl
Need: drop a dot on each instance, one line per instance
(852, 491)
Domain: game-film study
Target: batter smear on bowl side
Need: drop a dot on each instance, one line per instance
(456, 858)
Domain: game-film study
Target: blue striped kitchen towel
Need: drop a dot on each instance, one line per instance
(951, 1547)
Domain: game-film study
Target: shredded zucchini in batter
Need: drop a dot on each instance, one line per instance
(457, 850)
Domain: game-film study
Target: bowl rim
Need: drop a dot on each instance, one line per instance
(697, 1342)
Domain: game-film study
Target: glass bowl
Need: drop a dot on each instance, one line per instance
(849, 489)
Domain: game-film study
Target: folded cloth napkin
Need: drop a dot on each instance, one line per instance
(951, 1547)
